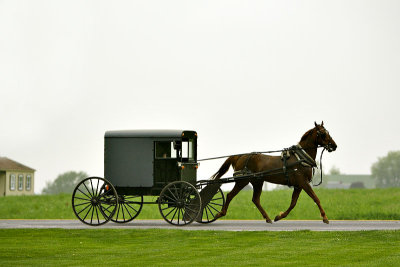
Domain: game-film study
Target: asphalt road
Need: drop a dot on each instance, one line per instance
(221, 225)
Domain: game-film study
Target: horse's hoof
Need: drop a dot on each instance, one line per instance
(278, 217)
(326, 220)
(268, 220)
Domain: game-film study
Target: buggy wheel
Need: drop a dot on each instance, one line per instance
(179, 203)
(129, 207)
(94, 201)
(210, 209)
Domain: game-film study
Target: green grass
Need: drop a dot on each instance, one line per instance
(354, 204)
(128, 247)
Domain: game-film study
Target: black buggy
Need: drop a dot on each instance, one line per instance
(140, 163)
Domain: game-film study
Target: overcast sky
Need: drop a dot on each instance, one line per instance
(246, 75)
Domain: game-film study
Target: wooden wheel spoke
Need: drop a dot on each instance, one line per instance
(87, 189)
(211, 211)
(83, 193)
(86, 199)
(83, 203)
(207, 214)
(91, 184)
(173, 216)
(97, 215)
(210, 206)
(84, 208)
(84, 218)
(97, 187)
(170, 198)
(216, 204)
(131, 208)
(127, 210)
(172, 194)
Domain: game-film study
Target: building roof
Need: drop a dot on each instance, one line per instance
(368, 180)
(7, 164)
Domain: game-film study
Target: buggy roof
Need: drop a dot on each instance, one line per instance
(147, 133)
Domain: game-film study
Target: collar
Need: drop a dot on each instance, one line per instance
(301, 154)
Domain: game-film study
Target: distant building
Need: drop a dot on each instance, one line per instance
(346, 181)
(15, 178)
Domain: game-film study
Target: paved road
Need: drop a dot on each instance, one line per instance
(221, 225)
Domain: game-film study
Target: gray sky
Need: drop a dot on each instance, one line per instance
(247, 75)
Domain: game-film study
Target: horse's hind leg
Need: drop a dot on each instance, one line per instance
(257, 190)
(236, 189)
(311, 193)
(295, 197)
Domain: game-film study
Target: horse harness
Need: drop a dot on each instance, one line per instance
(302, 157)
(245, 170)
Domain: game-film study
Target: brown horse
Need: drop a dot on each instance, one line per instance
(297, 174)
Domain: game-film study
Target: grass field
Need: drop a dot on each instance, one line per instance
(130, 247)
(355, 204)
(127, 247)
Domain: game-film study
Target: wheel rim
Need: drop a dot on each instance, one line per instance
(129, 207)
(213, 207)
(94, 201)
(179, 203)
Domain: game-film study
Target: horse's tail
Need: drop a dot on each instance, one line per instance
(224, 168)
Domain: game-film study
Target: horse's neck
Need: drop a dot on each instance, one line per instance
(309, 147)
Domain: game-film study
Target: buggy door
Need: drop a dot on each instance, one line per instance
(165, 163)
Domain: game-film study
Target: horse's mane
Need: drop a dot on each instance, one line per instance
(307, 134)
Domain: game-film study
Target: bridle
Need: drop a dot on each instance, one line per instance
(322, 135)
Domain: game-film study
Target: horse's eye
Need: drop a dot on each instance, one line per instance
(323, 135)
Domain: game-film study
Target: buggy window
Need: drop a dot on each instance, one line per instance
(165, 150)
(188, 150)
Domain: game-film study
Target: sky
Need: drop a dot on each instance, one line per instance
(246, 75)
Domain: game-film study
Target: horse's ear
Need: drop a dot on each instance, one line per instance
(315, 123)
(322, 123)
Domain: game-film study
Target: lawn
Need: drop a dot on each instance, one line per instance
(128, 247)
(355, 204)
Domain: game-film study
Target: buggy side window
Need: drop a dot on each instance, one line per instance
(165, 150)
(188, 150)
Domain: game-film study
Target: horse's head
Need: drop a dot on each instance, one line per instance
(323, 137)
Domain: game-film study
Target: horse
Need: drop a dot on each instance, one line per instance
(292, 171)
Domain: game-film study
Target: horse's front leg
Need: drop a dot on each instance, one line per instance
(257, 190)
(295, 197)
(236, 189)
(307, 187)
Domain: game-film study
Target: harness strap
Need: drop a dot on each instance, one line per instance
(285, 156)
(245, 170)
(301, 154)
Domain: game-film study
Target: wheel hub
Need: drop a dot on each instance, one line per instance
(180, 203)
(94, 201)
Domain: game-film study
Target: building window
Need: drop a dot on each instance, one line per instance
(12, 182)
(20, 182)
(28, 182)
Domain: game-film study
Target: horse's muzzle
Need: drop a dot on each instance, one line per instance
(331, 147)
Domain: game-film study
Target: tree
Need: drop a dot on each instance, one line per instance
(334, 171)
(64, 183)
(386, 170)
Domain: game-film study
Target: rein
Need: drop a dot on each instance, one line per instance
(262, 152)
(320, 167)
